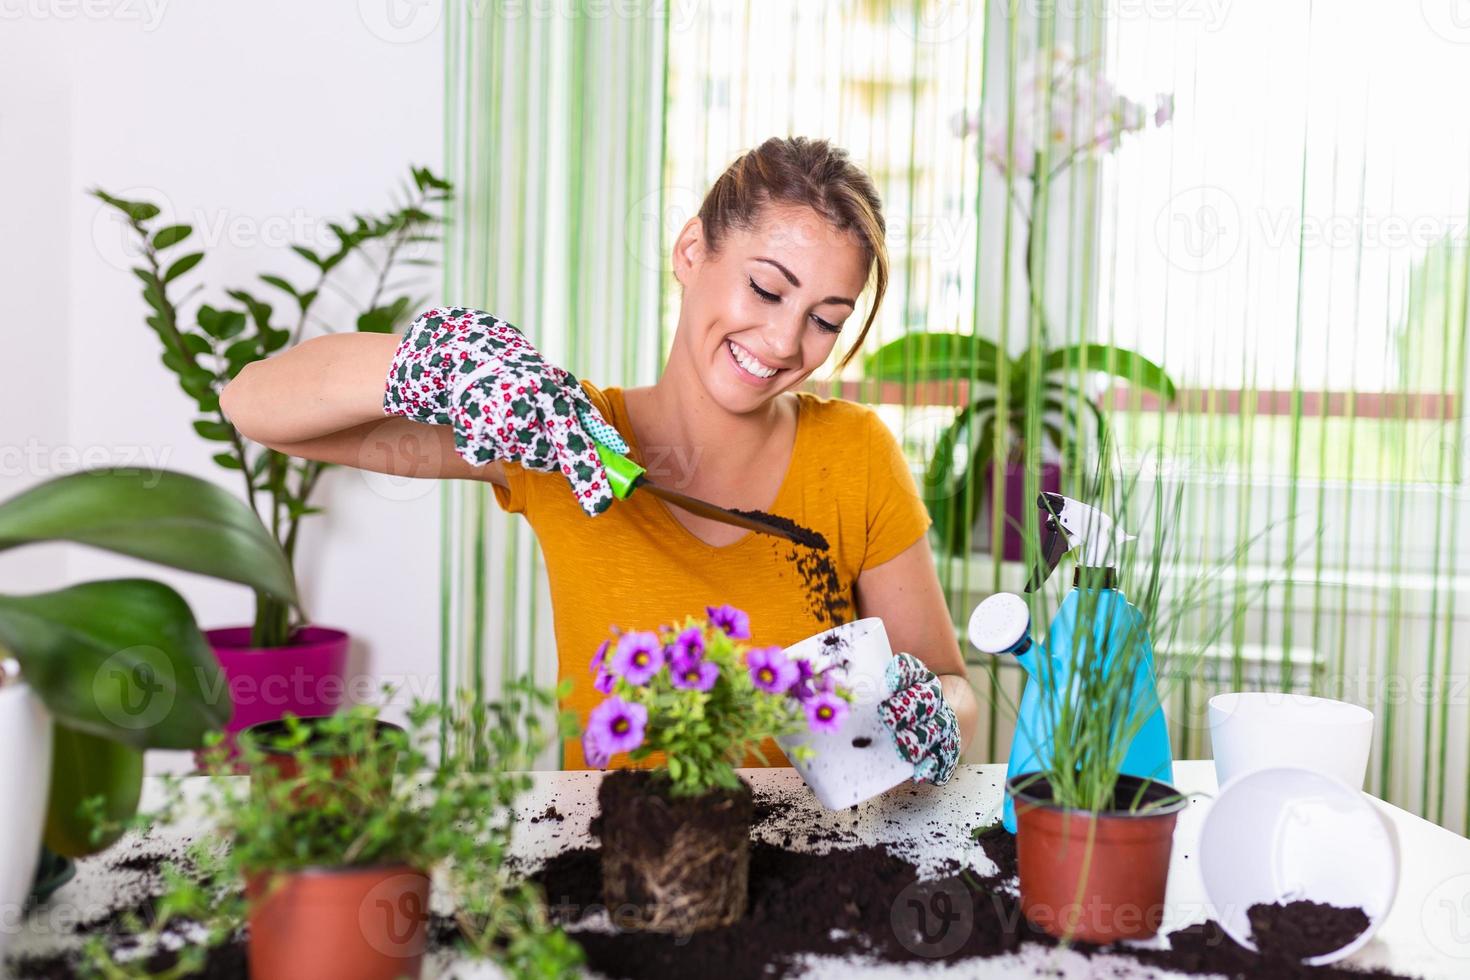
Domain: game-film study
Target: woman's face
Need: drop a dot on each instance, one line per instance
(765, 313)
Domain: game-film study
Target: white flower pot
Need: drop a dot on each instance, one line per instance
(860, 759)
(25, 776)
(1265, 730)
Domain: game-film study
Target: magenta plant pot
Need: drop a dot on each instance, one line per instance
(1013, 540)
(306, 678)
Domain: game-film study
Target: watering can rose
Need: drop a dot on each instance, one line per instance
(696, 694)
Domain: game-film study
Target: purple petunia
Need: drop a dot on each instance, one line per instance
(693, 673)
(770, 670)
(638, 657)
(689, 643)
(592, 751)
(734, 622)
(825, 712)
(615, 726)
(603, 679)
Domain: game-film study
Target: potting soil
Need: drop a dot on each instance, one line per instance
(1302, 929)
(811, 558)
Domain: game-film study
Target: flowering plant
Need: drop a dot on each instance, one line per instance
(694, 693)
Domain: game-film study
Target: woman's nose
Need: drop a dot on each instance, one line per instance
(783, 339)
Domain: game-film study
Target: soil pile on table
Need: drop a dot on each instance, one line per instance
(1302, 929)
(863, 901)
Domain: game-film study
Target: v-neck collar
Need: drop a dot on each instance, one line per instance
(620, 411)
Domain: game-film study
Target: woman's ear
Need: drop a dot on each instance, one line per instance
(689, 250)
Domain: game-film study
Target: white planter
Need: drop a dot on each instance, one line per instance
(860, 759)
(1288, 834)
(25, 779)
(1264, 730)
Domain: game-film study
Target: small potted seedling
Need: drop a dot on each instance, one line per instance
(330, 864)
(689, 702)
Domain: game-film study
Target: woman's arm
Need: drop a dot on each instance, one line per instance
(905, 593)
(323, 400)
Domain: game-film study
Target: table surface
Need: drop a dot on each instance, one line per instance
(1427, 932)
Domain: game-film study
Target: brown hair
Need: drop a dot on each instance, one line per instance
(811, 172)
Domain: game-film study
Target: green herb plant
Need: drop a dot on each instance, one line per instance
(391, 806)
(205, 345)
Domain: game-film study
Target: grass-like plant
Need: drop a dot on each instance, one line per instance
(703, 699)
(1098, 694)
(391, 806)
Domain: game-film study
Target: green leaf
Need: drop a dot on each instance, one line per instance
(171, 235)
(1131, 367)
(135, 210)
(182, 266)
(84, 766)
(160, 516)
(122, 659)
(227, 460)
(217, 431)
(934, 356)
(308, 255)
(279, 283)
(197, 344)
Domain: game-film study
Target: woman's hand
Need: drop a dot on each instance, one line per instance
(923, 725)
(477, 373)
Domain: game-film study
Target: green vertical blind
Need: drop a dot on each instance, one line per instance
(1236, 195)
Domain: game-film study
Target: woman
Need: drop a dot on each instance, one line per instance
(770, 270)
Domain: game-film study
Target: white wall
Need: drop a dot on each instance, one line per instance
(251, 121)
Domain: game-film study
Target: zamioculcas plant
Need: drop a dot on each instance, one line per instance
(675, 839)
(116, 666)
(205, 345)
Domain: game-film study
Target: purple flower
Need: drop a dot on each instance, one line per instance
(603, 679)
(825, 712)
(615, 726)
(770, 670)
(693, 673)
(601, 653)
(689, 643)
(638, 657)
(734, 622)
(592, 751)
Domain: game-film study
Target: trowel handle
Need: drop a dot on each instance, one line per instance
(622, 473)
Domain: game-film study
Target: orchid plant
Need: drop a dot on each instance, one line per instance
(695, 693)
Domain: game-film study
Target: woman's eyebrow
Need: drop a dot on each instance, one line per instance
(797, 282)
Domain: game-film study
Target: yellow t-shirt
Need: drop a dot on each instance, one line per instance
(636, 567)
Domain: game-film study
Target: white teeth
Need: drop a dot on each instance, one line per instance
(749, 363)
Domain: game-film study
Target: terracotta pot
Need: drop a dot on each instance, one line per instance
(306, 678)
(364, 923)
(1095, 877)
(675, 865)
(376, 784)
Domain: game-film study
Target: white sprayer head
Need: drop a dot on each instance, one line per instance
(1070, 525)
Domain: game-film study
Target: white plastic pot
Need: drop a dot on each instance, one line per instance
(1250, 731)
(860, 759)
(1288, 834)
(25, 775)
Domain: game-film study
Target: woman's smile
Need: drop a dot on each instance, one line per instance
(749, 368)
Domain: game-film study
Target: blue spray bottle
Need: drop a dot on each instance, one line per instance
(1002, 625)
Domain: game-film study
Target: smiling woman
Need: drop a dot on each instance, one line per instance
(770, 270)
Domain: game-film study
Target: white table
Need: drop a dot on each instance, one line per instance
(1427, 933)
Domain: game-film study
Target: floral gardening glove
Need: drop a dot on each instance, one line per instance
(472, 370)
(923, 724)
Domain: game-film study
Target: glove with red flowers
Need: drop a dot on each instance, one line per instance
(923, 724)
(470, 369)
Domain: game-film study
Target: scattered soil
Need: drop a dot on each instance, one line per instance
(865, 901)
(549, 814)
(811, 557)
(1299, 930)
(861, 742)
